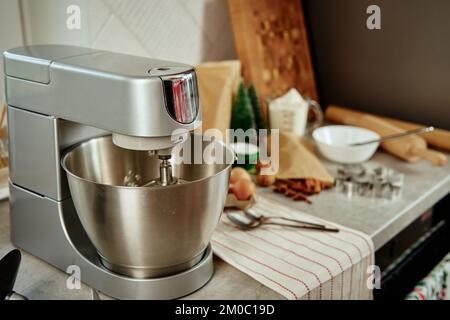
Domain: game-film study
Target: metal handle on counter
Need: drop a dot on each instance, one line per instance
(394, 136)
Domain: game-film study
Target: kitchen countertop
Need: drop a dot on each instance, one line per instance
(381, 219)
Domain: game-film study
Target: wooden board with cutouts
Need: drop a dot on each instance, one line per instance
(272, 43)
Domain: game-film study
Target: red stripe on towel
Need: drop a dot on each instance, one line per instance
(278, 258)
(324, 254)
(261, 274)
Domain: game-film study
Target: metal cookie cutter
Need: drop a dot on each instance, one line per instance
(381, 182)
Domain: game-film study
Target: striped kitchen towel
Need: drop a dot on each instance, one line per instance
(299, 263)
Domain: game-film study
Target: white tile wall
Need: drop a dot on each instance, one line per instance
(45, 22)
(115, 36)
(189, 31)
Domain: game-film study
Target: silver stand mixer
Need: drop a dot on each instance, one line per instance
(92, 177)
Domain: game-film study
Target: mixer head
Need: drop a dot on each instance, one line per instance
(181, 99)
(182, 104)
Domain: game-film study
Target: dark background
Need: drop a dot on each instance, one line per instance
(402, 70)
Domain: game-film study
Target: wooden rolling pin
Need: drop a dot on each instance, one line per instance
(438, 138)
(410, 148)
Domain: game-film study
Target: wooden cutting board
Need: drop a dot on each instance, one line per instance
(272, 43)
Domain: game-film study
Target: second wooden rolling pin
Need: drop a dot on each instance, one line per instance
(411, 148)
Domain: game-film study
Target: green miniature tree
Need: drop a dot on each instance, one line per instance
(242, 117)
(257, 111)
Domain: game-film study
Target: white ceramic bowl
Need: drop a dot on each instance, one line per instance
(333, 141)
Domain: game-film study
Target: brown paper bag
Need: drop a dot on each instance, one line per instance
(297, 162)
(217, 82)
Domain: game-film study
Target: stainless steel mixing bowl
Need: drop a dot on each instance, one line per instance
(145, 232)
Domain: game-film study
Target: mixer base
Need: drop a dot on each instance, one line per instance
(142, 273)
(51, 230)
